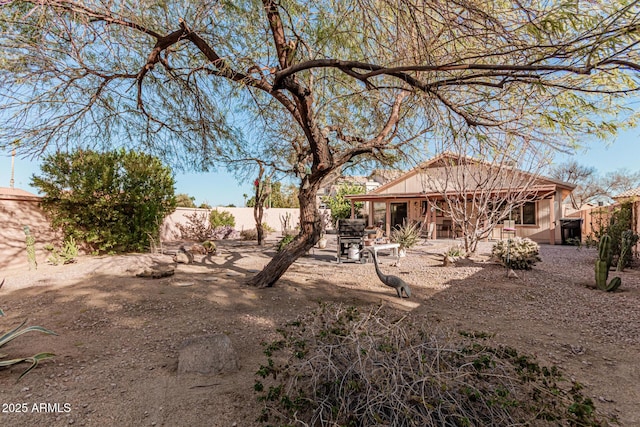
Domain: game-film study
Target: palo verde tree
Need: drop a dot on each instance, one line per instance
(350, 79)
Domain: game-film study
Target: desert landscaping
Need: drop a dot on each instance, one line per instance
(120, 336)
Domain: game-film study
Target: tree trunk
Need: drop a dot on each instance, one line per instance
(258, 212)
(308, 236)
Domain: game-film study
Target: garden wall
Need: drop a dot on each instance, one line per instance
(17, 209)
(243, 216)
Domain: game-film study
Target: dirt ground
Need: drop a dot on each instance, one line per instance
(119, 335)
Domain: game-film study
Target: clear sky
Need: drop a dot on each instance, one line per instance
(222, 188)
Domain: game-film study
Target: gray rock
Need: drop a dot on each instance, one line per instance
(183, 258)
(207, 354)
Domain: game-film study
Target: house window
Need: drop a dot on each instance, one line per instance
(525, 214)
(379, 214)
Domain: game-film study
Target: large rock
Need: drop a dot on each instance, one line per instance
(207, 354)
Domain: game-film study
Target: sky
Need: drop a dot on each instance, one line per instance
(222, 188)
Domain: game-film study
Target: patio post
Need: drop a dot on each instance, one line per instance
(552, 220)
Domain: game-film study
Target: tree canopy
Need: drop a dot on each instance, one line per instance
(308, 86)
(591, 187)
(110, 202)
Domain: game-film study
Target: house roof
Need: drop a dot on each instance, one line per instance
(10, 193)
(441, 158)
(401, 187)
(634, 192)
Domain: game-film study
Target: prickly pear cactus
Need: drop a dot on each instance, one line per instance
(31, 248)
(603, 264)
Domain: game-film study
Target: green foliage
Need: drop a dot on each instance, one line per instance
(603, 264)
(406, 235)
(185, 201)
(110, 201)
(279, 196)
(66, 255)
(517, 253)
(341, 206)
(338, 366)
(615, 224)
(209, 246)
(629, 240)
(286, 239)
(15, 333)
(267, 228)
(221, 218)
(30, 242)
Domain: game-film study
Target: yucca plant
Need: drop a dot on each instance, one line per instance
(407, 235)
(15, 333)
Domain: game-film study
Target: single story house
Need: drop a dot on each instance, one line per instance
(419, 194)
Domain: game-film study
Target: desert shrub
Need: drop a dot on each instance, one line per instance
(267, 228)
(286, 239)
(455, 252)
(251, 234)
(6, 337)
(221, 218)
(406, 235)
(111, 201)
(65, 255)
(224, 232)
(337, 366)
(517, 253)
(197, 227)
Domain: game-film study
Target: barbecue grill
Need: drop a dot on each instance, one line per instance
(350, 235)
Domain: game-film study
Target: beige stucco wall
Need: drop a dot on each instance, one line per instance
(14, 215)
(243, 216)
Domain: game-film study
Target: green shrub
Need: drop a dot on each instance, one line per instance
(517, 253)
(221, 218)
(111, 201)
(337, 366)
(286, 239)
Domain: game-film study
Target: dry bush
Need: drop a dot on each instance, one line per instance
(251, 234)
(197, 228)
(338, 366)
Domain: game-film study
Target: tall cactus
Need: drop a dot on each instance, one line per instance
(602, 266)
(626, 244)
(31, 248)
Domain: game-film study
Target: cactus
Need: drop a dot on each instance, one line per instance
(602, 266)
(31, 248)
(628, 241)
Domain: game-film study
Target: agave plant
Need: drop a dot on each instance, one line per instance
(15, 333)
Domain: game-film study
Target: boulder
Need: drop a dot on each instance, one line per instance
(211, 354)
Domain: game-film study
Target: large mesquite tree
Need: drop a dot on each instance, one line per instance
(313, 84)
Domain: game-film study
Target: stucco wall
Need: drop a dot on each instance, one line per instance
(243, 216)
(14, 215)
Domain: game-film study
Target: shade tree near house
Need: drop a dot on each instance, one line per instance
(482, 183)
(351, 79)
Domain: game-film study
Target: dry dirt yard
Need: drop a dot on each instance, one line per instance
(119, 335)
